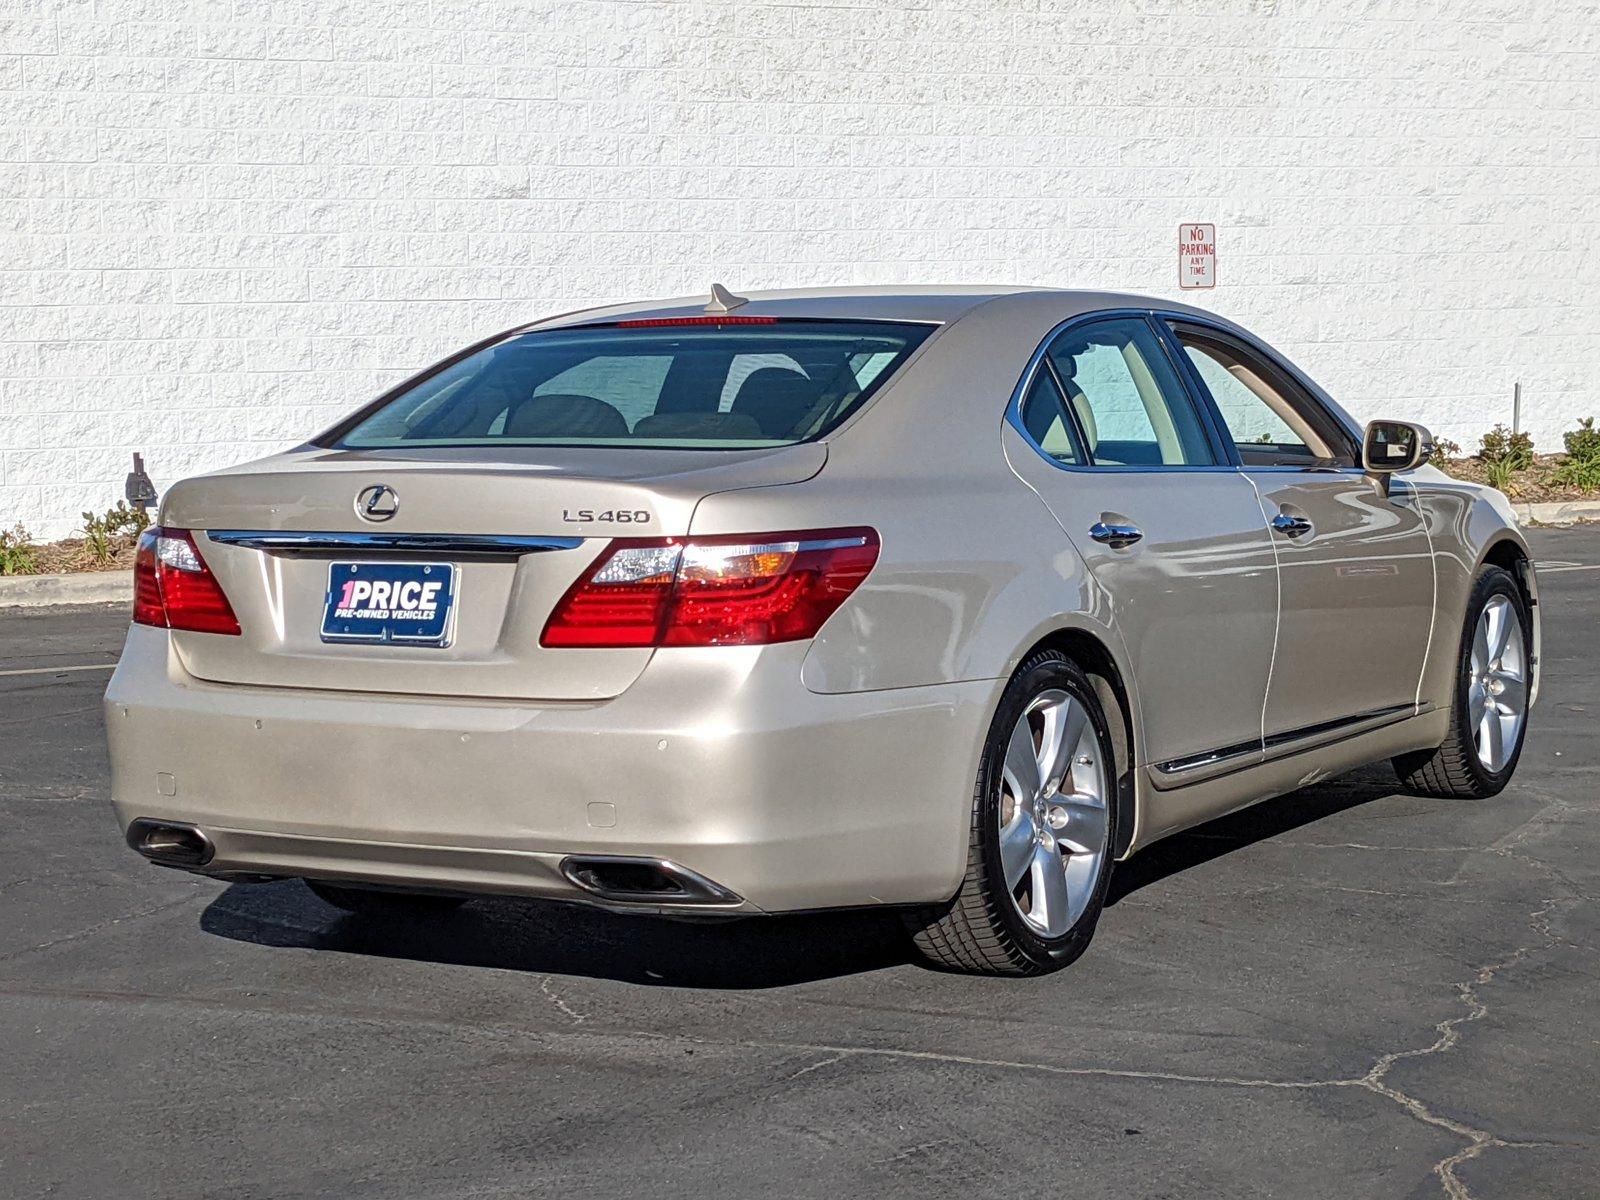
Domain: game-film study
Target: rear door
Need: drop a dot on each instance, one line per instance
(1137, 479)
(1356, 565)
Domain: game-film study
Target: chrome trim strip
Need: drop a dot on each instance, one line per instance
(423, 543)
(1197, 767)
(1281, 741)
(1209, 759)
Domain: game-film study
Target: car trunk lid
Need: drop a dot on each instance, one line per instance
(511, 528)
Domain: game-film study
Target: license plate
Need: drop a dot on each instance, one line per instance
(389, 602)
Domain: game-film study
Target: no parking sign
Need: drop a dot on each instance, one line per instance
(1197, 256)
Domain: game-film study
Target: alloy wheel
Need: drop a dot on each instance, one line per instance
(1053, 812)
(1497, 693)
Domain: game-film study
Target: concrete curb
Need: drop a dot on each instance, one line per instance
(84, 587)
(1560, 512)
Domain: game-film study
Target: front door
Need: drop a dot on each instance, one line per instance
(1355, 565)
(1173, 537)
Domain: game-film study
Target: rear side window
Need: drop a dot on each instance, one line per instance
(1044, 416)
(1130, 405)
(711, 386)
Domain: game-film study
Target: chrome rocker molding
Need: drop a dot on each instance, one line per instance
(486, 545)
(629, 879)
(1197, 767)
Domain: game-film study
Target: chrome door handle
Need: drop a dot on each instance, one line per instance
(1291, 526)
(1115, 536)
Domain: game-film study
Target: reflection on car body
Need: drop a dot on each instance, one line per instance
(943, 599)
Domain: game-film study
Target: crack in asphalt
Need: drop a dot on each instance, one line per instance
(549, 992)
(1448, 1035)
(91, 930)
(816, 1066)
(1448, 1032)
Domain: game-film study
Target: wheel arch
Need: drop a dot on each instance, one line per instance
(1511, 555)
(1094, 656)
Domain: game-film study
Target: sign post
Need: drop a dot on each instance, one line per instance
(1197, 256)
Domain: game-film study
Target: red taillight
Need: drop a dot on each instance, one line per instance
(174, 589)
(147, 608)
(747, 590)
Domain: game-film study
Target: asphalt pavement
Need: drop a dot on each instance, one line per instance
(1346, 992)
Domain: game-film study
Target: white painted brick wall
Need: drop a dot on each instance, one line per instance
(222, 223)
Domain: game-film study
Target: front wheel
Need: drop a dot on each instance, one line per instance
(1489, 711)
(1043, 824)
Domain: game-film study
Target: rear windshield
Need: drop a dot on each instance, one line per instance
(684, 386)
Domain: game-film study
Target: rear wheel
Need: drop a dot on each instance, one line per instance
(1043, 824)
(1489, 713)
(369, 903)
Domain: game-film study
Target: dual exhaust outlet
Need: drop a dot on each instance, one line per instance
(626, 879)
(170, 843)
(616, 878)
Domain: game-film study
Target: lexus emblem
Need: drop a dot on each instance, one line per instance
(377, 503)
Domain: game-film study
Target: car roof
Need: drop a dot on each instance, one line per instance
(926, 303)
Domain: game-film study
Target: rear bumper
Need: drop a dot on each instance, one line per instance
(718, 760)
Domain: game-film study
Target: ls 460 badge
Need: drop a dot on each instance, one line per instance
(619, 516)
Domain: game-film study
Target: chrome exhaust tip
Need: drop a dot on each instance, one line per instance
(627, 879)
(170, 843)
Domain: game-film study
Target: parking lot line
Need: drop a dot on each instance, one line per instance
(1552, 568)
(60, 670)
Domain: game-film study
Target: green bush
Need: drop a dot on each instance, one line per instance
(1501, 445)
(96, 538)
(1444, 450)
(102, 534)
(123, 519)
(1500, 475)
(18, 554)
(1582, 468)
(1584, 441)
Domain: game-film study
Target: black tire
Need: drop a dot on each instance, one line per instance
(370, 903)
(980, 931)
(1452, 769)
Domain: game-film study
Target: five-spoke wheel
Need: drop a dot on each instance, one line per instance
(1052, 812)
(1497, 697)
(1490, 714)
(1043, 831)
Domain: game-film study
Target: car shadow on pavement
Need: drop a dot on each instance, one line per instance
(548, 937)
(1269, 819)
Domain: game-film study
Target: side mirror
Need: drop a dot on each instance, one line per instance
(1391, 446)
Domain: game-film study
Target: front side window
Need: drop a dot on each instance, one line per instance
(1267, 421)
(695, 385)
(1130, 405)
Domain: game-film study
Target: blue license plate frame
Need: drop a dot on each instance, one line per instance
(390, 603)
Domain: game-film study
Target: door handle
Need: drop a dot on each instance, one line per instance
(1291, 526)
(1115, 536)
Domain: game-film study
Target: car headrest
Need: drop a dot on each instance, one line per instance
(558, 414)
(777, 398)
(730, 425)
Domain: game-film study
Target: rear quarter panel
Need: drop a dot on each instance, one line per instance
(973, 570)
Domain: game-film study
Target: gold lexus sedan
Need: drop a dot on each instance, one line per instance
(944, 599)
